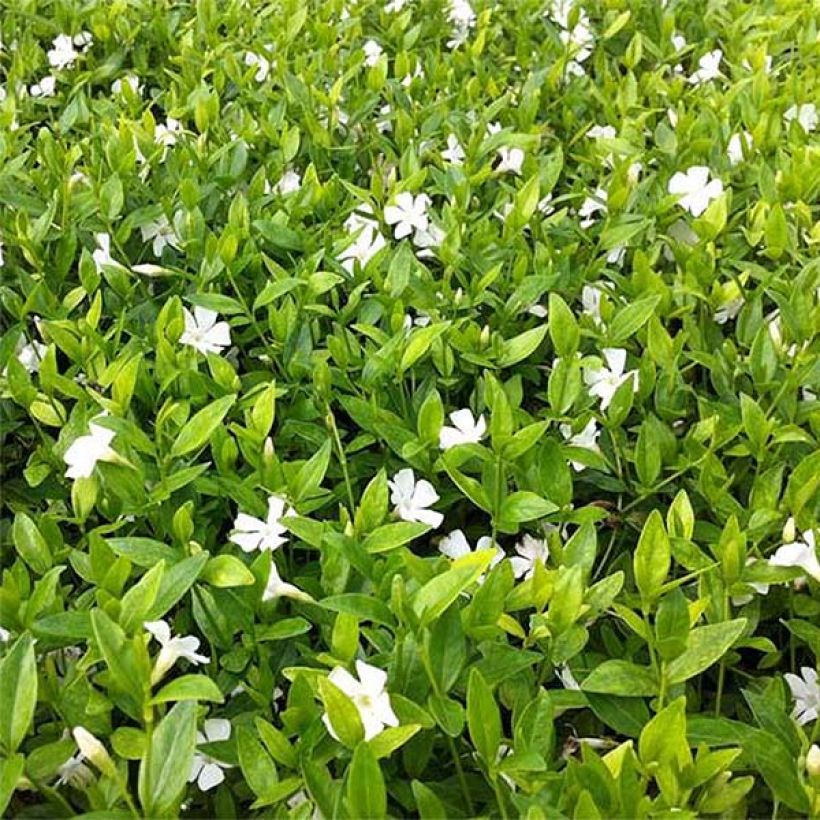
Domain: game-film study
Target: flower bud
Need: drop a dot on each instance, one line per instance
(484, 338)
(789, 531)
(94, 751)
(813, 761)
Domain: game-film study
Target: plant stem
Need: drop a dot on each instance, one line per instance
(461, 778)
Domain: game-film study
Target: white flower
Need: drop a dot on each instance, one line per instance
(604, 381)
(410, 321)
(74, 772)
(368, 241)
(760, 587)
(62, 54)
(268, 535)
(30, 355)
(204, 769)
(465, 430)
(85, 451)
(462, 17)
(806, 694)
(261, 63)
(511, 160)
(92, 749)
(454, 154)
(729, 310)
(368, 695)
(586, 439)
(805, 114)
(384, 125)
(427, 240)
(531, 551)
(161, 233)
(167, 134)
(708, 67)
(45, 88)
(455, 545)
(277, 588)
(597, 203)
(173, 648)
(602, 132)
(412, 499)
(679, 42)
(801, 554)
(616, 255)
(409, 213)
(695, 189)
(102, 253)
(407, 81)
(395, 6)
(545, 206)
(372, 52)
(83, 40)
(203, 332)
(738, 143)
(290, 182)
(130, 80)
(633, 173)
(564, 674)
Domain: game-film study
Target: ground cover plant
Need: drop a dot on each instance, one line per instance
(409, 408)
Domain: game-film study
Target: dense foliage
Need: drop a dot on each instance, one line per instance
(409, 408)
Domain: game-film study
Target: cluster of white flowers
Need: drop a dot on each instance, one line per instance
(695, 189)
(462, 18)
(65, 49)
(575, 33)
(260, 63)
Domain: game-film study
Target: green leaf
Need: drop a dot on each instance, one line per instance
(525, 506)
(483, 718)
(392, 738)
(420, 342)
(391, 536)
(365, 607)
(140, 598)
(189, 687)
(427, 803)
(617, 677)
(366, 794)
(562, 327)
(520, 347)
(18, 693)
(706, 645)
(342, 714)
(652, 558)
(11, 769)
(227, 571)
(164, 769)
(257, 767)
(632, 318)
(30, 544)
(201, 427)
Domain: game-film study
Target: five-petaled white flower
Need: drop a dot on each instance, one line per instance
(602, 132)
(428, 240)
(465, 430)
(805, 114)
(408, 214)
(166, 134)
(204, 769)
(84, 452)
(372, 52)
(102, 253)
(412, 499)
(455, 545)
(290, 182)
(262, 65)
(454, 153)
(799, 553)
(368, 240)
(511, 160)
(603, 382)
(203, 332)
(806, 694)
(369, 696)
(161, 234)
(695, 189)
(592, 205)
(45, 88)
(739, 144)
(63, 53)
(531, 551)
(173, 648)
(277, 588)
(252, 533)
(31, 354)
(586, 439)
(708, 67)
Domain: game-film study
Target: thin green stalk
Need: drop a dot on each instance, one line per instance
(337, 441)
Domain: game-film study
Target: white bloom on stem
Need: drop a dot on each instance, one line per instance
(462, 17)
(592, 205)
(408, 214)
(729, 310)
(277, 588)
(262, 65)
(252, 533)
(455, 546)
(45, 88)
(85, 451)
(428, 240)
(372, 52)
(603, 382)
(591, 302)
(395, 6)
(203, 332)
(407, 81)
(799, 553)
(161, 234)
(602, 132)
(678, 42)
(204, 769)
(695, 189)
(454, 153)
(511, 160)
(173, 648)
(289, 183)
(805, 114)
(806, 694)
(531, 551)
(74, 772)
(84, 40)
(62, 54)
(166, 134)
(738, 144)
(368, 239)
(31, 354)
(413, 499)
(708, 67)
(587, 439)
(369, 696)
(102, 253)
(92, 749)
(420, 320)
(760, 587)
(633, 173)
(130, 80)
(568, 681)
(465, 430)
(545, 206)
